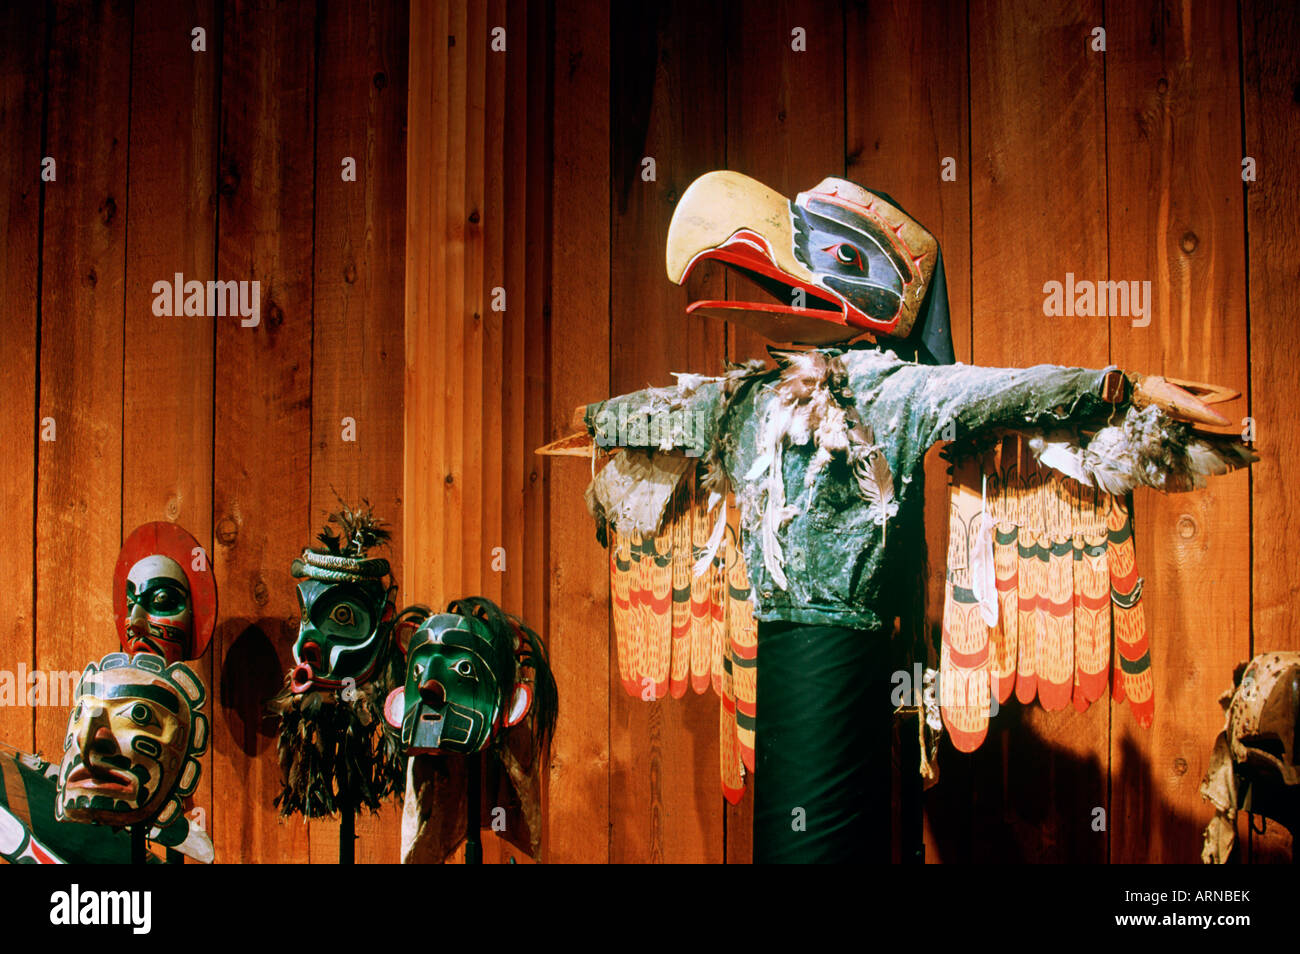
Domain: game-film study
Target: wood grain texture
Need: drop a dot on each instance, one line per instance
(425, 355)
(538, 284)
(493, 215)
(668, 106)
(79, 477)
(1176, 220)
(23, 50)
(536, 347)
(785, 109)
(510, 216)
(457, 329)
(167, 376)
(1270, 37)
(476, 428)
(357, 330)
(1037, 121)
(579, 819)
(263, 428)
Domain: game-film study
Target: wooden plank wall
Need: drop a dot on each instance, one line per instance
(222, 163)
(517, 177)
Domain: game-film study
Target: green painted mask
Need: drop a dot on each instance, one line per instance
(345, 596)
(343, 632)
(459, 681)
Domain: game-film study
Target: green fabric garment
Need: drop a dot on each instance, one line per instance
(823, 742)
(839, 570)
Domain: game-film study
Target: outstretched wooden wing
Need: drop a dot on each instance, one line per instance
(676, 628)
(1066, 589)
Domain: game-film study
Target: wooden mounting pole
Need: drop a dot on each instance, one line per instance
(473, 795)
(347, 834)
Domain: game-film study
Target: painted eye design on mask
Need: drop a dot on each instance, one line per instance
(343, 615)
(847, 255)
(142, 715)
(166, 600)
(464, 667)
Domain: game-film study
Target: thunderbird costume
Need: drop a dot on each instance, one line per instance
(822, 459)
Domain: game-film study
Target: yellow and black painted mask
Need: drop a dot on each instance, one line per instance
(134, 737)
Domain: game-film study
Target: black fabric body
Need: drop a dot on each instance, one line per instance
(822, 745)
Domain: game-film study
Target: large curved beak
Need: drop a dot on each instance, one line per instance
(728, 217)
(1184, 401)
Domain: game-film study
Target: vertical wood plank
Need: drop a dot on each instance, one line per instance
(23, 52)
(494, 215)
(477, 427)
(167, 407)
(262, 480)
(517, 459)
(907, 114)
(357, 339)
(1037, 121)
(665, 798)
(537, 343)
(487, 219)
(425, 451)
(1270, 38)
(452, 230)
(537, 406)
(579, 817)
(1176, 220)
(79, 476)
(785, 109)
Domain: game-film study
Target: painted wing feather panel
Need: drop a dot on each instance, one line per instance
(681, 561)
(1029, 624)
(659, 610)
(675, 630)
(964, 655)
(1133, 678)
(1092, 618)
(639, 596)
(1055, 664)
(1067, 589)
(702, 635)
(1004, 645)
(620, 570)
(742, 632)
(733, 773)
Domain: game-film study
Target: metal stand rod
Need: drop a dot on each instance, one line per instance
(347, 835)
(473, 795)
(910, 804)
